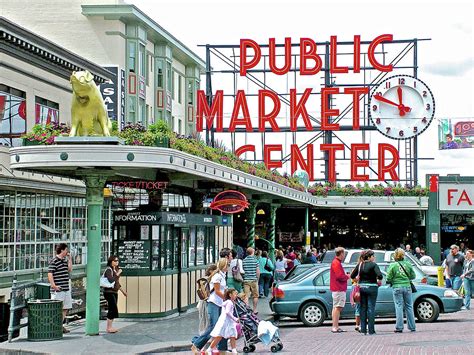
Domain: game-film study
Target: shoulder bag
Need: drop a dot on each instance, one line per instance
(267, 267)
(104, 281)
(236, 275)
(355, 293)
(413, 288)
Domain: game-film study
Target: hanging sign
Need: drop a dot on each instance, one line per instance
(229, 201)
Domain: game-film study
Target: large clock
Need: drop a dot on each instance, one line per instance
(401, 107)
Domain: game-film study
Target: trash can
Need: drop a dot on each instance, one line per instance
(45, 320)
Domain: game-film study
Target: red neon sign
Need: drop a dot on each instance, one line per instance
(229, 201)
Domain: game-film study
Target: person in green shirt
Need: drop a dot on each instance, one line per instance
(266, 272)
(399, 275)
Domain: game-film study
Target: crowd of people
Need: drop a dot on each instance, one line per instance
(459, 270)
(249, 276)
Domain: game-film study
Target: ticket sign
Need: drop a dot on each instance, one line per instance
(456, 197)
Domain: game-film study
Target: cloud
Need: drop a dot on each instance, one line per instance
(450, 68)
(463, 27)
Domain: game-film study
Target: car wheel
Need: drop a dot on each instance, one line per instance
(427, 310)
(312, 314)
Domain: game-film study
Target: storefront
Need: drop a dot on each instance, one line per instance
(451, 212)
(162, 255)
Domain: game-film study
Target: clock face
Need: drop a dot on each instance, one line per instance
(401, 107)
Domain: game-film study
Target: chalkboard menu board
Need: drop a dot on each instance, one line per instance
(134, 254)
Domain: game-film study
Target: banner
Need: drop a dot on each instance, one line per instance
(456, 133)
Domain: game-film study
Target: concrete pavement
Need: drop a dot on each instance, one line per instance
(135, 336)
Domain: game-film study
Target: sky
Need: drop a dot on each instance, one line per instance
(445, 62)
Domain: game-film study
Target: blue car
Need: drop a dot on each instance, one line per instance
(308, 298)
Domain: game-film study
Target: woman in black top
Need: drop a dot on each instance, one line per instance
(369, 276)
(112, 272)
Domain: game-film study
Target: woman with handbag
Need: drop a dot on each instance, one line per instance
(235, 273)
(399, 275)
(112, 274)
(370, 278)
(266, 272)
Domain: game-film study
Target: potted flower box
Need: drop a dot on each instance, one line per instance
(27, 142)
(162, 142)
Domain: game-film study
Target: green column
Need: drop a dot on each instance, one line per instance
(271, 234)
(95, 200)
(306, 227)
(251, 225)
(433, 222)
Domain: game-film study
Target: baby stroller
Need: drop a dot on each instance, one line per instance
(249, 323)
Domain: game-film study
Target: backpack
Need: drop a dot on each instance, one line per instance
(203, 289)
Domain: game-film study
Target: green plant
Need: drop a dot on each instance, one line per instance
(46, 134)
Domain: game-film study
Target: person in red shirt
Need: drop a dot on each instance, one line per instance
(338, 286)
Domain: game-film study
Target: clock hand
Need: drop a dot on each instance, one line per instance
(402, 109)
(383, 99)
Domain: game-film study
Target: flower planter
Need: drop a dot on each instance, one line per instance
(27, 143)
(162, 142)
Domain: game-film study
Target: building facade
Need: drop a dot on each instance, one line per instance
(156, 75)
(38, 211)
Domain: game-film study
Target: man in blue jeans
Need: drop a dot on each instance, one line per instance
(454, 267)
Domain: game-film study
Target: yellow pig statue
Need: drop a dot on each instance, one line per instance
(88, 112)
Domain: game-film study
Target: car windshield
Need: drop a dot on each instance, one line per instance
(379, 256)
(297, 271)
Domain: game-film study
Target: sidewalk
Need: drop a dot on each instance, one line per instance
(145, 336)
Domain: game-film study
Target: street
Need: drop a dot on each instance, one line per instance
(451, 334)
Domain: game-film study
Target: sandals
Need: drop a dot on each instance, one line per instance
(338, 331)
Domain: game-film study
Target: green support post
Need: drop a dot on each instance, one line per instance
(251, 225)
(307, 240)
(433, 220)
(95, 200)
(271, 235)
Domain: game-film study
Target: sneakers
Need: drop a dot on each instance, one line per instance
(65, 331)
(234, 351)
(463, 308)
(398, 331)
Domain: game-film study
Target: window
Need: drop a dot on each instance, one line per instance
(132, 53)
(173, 85)
(46, 111)
(141, 60)
(200, 244)
(169, 79)
(322, 279)
(179, 127)
(180, 88)
(132, 107)
(142, 112)
(159, 73)
(13, 120)
(190, 93)
(33, 223)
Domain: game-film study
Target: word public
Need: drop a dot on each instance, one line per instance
(310, 63)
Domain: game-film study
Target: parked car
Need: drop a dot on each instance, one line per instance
(297, 271)
(309, 299)
(352, 256)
